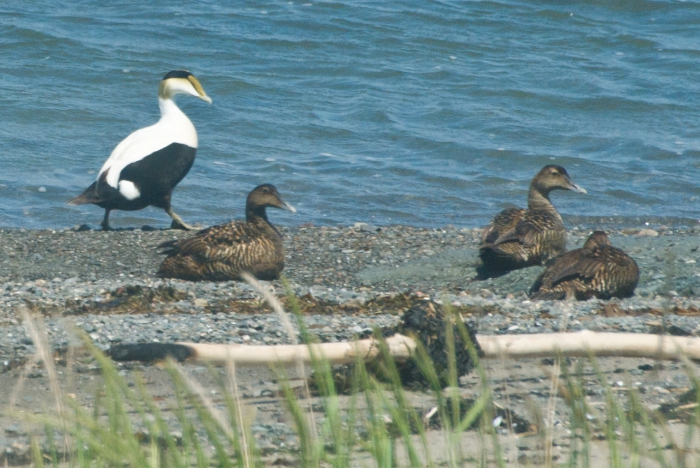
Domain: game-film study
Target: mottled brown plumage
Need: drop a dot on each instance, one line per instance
(519, 238)
(221, 253)
(595, 270)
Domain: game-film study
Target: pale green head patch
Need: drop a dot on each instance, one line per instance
(182, 83)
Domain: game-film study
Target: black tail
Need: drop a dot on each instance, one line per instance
(169, 247)
(494, 265)
(548, 296)
(88, 196)
(149, 352)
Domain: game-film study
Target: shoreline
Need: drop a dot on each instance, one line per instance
(571, 221)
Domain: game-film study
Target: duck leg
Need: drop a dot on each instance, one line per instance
(105, 221)
(177, 223)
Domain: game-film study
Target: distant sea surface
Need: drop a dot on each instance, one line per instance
(390, 112)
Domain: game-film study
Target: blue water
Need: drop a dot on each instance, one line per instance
(419, 113)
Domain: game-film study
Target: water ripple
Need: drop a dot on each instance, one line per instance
(389, 112)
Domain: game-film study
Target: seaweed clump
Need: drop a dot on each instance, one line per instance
(444, 336)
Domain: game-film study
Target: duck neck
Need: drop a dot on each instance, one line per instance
(258, 215)
(255, 214)
(169, 110)
(175, 124)
(539, 200)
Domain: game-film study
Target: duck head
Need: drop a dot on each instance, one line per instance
(181, 82)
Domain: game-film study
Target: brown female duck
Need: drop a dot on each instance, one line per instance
(519, 238)
(221, 253)
(595, 270)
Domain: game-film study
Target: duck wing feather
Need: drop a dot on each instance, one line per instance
(503, 223)
(215, 241)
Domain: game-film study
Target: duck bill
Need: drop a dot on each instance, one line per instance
(288, 207)
(198, 87)
(576, 188)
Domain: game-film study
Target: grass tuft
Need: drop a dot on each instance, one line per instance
(375, 421)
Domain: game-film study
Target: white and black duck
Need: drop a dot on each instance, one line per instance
(146, 166)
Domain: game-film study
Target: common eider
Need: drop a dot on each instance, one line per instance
(146, 166)
(595, 270)
(221, 253)
(519, 238)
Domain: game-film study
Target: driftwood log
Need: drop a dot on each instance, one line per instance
(425, 323)
(584, 343)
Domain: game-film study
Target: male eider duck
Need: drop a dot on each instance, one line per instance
(221, 253)
(145, 167)
(595, 270)
(519, 238)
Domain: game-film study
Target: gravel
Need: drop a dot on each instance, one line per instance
(347, 279)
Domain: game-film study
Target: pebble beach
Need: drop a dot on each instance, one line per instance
(348, 280)
(105, 283)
